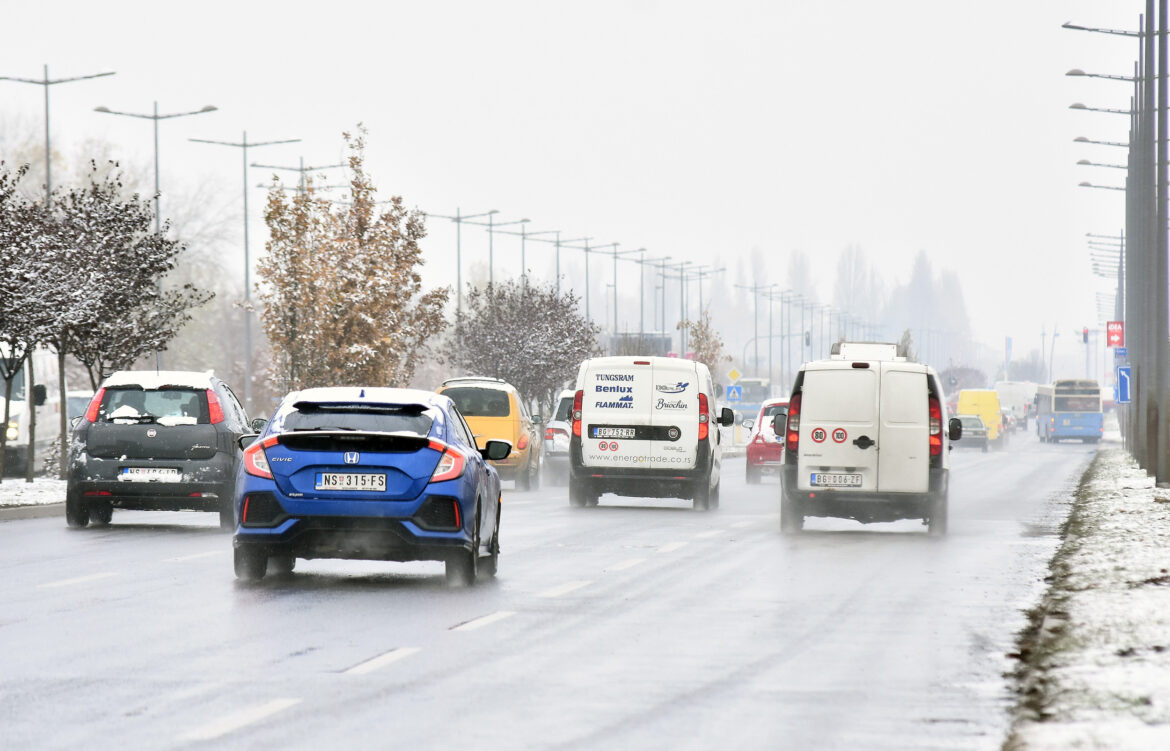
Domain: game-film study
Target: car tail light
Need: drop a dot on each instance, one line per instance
(936, 440)
(548, 434)
(792, 436)
(214, 408)
(577, 399)
(91, 414)
(704, 417)
(523, 442)
(450, 463)
(256, 461)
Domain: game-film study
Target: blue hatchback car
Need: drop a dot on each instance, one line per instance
(368, 473)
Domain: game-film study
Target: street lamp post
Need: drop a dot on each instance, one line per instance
(243, 146)
(459, 219)
(46, 82)
(491, 225)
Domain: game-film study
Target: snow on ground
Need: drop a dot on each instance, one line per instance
(1103, 665)
(14, 491)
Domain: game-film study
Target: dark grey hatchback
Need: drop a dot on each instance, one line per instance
(156, 440)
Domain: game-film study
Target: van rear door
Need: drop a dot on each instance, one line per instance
(675, 415)
(615, 412)
(839, 428)
(904, 437)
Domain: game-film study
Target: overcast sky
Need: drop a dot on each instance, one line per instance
(698, 130)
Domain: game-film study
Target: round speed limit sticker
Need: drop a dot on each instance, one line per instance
(819, 435)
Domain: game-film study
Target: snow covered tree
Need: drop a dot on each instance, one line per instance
(340, 286)
(527, 334)
(705, 342)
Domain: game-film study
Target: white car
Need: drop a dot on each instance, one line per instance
(645, 427)
(866, 439)
(556, 440)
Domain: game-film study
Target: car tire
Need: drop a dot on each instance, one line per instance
(791, 516)
(250, 564)
(985, 447)
(282, 565)
(713, 500)
(463, 567)
(752, 475)
(523, 478)
(534, 478)
(702, 497)
(578, 493)
(937, 521)
(76, 510)
(227, 507)
(100, 513)
(490, 565)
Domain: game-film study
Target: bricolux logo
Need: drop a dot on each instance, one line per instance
(677, 388)
(351, 457)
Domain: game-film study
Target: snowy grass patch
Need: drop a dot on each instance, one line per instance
(14, 491)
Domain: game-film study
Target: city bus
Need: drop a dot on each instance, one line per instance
(1069, 409)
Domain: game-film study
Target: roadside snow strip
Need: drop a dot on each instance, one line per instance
(1095, 664)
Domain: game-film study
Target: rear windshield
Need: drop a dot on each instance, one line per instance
(564, 409)
(362, 417)
(971, 422)
(775, 409)
(1078, 404)
(473, 402)
(165, 406)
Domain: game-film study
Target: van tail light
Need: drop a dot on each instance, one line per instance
(577, 399)
(523, 442)
(450, 463)
(214, 408)
(792, 435)
(704, 417)
(256, 461)
(91, 414)
(936, 440)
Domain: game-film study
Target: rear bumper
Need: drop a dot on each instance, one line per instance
(769, 455)
(203, 484)
(864, 507)
(353, 538)
(642, 482)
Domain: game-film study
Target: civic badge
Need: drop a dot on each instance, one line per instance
(151, 433)
(351, 457)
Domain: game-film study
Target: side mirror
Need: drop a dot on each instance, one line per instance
(496, 450)
(726, 417)
(955, 429)
(247, 440)
(748, 424)
(779, 425)
(39, 394)
(538, 419)
(74, 421)
(258, 424)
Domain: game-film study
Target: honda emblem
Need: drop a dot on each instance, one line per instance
(151, 433)
(351, 457)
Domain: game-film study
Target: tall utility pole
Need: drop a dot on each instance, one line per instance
(459, 219)
(47, 82)
(243, 146)
(616, 255)
(491, 225)
(755, 290)
(1161, 322)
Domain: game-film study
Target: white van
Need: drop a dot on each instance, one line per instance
(645, 427)
(865, 440)
(46, 400)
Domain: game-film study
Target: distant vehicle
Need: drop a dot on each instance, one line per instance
(556, 440)
(645, 427)
(1019, 397)
(368, 473)
(974, 432)
(160, 440)
(753, 392)
(77, 402)
(47, 403)
(1069, 409)
(495, 411)
(764, 449)
(866, 439)
(985, 404)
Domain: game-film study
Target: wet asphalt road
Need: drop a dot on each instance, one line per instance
(637, 624)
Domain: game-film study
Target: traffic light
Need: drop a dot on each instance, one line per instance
(1085, 335)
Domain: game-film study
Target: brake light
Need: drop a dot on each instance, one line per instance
(522, 443)
(214, 408)
(792, 435)
(450, 463)
(256, 461)
(91, 414)
(935, 427)
(548, 434)
(704, 417)
(577, 399)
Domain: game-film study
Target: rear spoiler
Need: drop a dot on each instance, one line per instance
(350, 440)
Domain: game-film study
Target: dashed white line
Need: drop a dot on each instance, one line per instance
(77, 580)
(564, 589)
(240, 719)
(381, 661)
(482, 621)
(740, 525)
(630, 563)
(518, 503)
(194, 556)
(670, 547)
(712, 533)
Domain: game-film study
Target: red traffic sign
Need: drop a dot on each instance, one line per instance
(1115, 333)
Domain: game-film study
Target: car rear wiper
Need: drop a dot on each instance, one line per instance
(140, 419)
(322, 427)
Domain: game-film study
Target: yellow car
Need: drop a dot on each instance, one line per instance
(494, 410)
(985, 404)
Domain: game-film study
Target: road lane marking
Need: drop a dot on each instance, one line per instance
(193, 556)
(712, 533)
(626, 564)
(381, 661)
(564, 589)
(670, 547)
(240, 719)
(741, 525)
(482, 621)
(77, 580)
(519, 503)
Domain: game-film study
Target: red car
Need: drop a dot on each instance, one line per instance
(764, 448)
